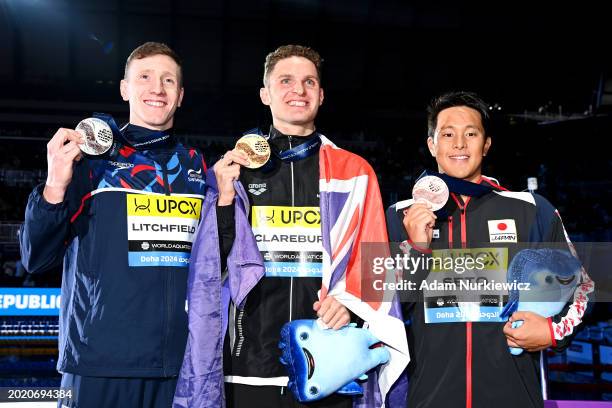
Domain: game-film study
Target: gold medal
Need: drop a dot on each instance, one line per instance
(257, 149)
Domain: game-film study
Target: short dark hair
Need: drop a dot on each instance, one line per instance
(452, 99)
(291, 50)
(151, 48)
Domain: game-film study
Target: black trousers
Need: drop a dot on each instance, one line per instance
(105, 392)
(270, 396)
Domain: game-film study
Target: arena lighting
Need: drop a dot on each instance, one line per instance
(23, 12)
(36, 3)
(22, 7)
(107, 46)
(551, 118)
(532, 184)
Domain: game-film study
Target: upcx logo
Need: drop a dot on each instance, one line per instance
(286, 216)
(163, 206)
(142, 205)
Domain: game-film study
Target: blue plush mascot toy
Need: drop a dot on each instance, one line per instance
(323, 361)
(553, 275)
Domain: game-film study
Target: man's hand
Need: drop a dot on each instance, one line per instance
(62, 151)
(533, 335)
(227, 169)
(332, 312)
(419, 221)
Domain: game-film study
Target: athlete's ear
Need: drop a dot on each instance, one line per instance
(486, 146)
(180, 98)
(123, 85)
(321, 96)
(433, 147)
(264, 95)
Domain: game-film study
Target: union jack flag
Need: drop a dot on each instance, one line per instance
(352, 214)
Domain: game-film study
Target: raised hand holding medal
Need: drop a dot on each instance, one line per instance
(430, 194)
(92, 137)
(252, 151)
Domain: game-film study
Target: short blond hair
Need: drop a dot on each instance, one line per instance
(149, 49)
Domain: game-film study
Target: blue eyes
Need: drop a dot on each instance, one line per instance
(287, 81)
(169, 81)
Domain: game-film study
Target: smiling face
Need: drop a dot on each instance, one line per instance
(459, 143)
(294, 95)
(152, 87)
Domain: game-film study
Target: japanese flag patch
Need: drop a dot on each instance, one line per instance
(502, 231)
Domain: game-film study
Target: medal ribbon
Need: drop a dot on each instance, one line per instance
(140, 140)
(459, 186)
(296, 153)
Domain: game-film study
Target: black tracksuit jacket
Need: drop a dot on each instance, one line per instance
(468, 364)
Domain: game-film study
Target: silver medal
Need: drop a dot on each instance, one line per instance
(97, 134)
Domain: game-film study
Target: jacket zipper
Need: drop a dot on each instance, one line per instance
(468, 365)
(165, 176)
(450, 231)
(292, 204)
(468, 325)
(168, 283)
(240, 332)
